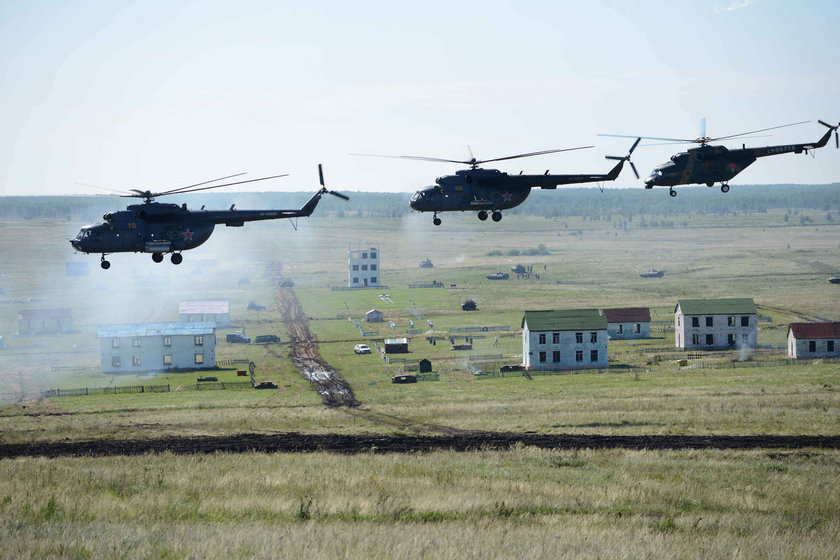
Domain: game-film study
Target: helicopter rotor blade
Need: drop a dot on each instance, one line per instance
(633, 167)
(703, 127)
(206, 182)
(182, 191)
(529, 154)
(321, 174)
(670, 140)
(754, 131)
(339, 195)
(633, 147)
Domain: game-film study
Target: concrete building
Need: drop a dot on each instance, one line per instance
(363, 268)
(564, 339)
(715, 324)
(814, 340)
(396, 345)
(627, 323)
(205, 312)
(157, 347)
(44, 321)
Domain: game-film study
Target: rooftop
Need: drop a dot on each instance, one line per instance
(743, 306)
(627, 314)
(815, 330)
(155, 329)
(564, 320)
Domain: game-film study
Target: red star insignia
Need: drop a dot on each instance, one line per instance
(188, 235)
(507, 197)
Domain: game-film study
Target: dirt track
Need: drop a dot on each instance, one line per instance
(294, 442)
(334, 390)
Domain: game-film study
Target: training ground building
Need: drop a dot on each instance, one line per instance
(44, 321)
(157, 347)
(205, 312)
(814, 340)
(564, 339)
(627, 323)
(363, 268)
(715, 324)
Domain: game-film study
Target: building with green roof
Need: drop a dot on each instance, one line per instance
(564, 339)
(715, 324)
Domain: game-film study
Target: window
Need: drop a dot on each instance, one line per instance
(555, 356)
(167, 341)
(115, 361)
(679, 320)
(135, 342)
(135, 360)
(710, 321)
(730, 339)
(373, 255)
(593, 337)
(373, 279)
(710, 340)
(730, 321)
(579, 337)
(637, 328)
(695, 339)
(745, 321)
(167, 359)
(578, 355)
(542, 338)
(199, 340)
(829, 346)
(364, 255)
(542, 357)
(199, 358)
(620, 329)
(364, 267)
(355, 267)
(593, 355)
(555, 338)
(695, 321)
(373, 267)
(115, 343)
(355, 280)
(812, 346)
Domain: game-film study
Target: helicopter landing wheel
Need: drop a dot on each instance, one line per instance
(497, 216)
(672, 192)
(436, 221)
(176, 258)
(724, 188)
(104, 264)
(157, 257)
(482, 215)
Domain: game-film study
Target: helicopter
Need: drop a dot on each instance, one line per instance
(160, 228)
(489, 191)
(718, 164)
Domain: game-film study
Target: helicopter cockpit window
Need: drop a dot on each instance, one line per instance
(417, 196)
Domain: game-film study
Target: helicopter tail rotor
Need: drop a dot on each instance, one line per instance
(834, 128)
(627, 157)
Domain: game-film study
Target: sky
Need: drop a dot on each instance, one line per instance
(161, 94)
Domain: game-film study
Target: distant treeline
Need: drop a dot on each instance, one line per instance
(589, 203)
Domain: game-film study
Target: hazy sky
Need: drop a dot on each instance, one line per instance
(161, 94)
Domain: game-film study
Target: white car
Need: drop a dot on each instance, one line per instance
(362, 349)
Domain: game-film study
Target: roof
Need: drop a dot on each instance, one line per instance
(156, 329)
(815, 330)
(744, 306)
(627, 314)
(564, 320)
(373, 311)
(62, 313)
(396, 341)
(204, 307)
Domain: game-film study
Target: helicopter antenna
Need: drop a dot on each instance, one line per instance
(473, 162)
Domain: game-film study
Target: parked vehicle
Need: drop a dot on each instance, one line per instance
(361, 349)
(267, 338)
(237, 338)
(254, 306)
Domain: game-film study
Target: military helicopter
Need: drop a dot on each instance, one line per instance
(158, 228)
(491, 190)
(712, 164)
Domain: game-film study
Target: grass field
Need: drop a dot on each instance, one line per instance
(520, 503)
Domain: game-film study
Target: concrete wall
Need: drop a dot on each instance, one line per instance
(689, 337)
(627, 331)
(363, 268)
(801, 348)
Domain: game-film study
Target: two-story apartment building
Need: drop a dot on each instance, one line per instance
(715, 324)
(157, 347)
(564, 339)
(363, 268)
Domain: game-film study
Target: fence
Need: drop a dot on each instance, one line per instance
(70, 368)
(480, 329)
(218, 386)
(540, 373)
(106, 390)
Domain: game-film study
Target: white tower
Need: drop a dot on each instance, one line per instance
(363, 268)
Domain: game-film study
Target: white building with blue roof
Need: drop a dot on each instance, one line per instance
(157, 346)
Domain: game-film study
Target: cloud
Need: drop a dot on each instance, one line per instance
(733, 5)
